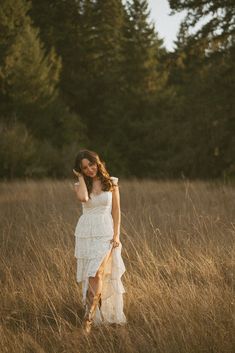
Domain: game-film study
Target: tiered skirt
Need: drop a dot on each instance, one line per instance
(92, 243)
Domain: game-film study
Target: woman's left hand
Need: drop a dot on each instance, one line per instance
(115, 242)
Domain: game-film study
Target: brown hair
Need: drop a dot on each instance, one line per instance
(102, 173)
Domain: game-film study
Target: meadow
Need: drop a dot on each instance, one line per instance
(178, 249)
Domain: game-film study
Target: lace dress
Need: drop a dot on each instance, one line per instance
(93, 233)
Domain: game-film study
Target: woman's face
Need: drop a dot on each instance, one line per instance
(88, 168)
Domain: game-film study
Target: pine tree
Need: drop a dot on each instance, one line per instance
(145, 79)
(203, 110)
(106, 61)
(219, 27)
(29, 88)
(60, 27)
(143, 49)
(28, 75)
(12, 19)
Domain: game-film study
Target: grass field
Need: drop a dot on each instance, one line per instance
(178, 249)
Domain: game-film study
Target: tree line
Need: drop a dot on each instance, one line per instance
(96, 74)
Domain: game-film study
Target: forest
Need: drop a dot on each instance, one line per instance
(96, 74)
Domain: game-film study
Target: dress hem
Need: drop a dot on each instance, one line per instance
(111, 311)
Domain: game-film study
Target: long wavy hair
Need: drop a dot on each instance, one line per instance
(102, 173)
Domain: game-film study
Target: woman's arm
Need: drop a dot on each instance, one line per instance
(116, 213)
(80, 188)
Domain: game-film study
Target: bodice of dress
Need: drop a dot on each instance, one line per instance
(96, 219)
(98, 204)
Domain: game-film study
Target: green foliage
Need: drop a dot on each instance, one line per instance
(205, 85)
(22, 155)
(219, 26)
(29, 89)
(17, 149)
(28, 76)
(50, 161)
(12, 20)
(95, 74)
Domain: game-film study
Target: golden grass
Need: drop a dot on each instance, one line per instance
(178, 248)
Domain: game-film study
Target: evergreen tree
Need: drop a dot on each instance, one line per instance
(204, 108)
(12, 19)
(90, 46)
(29, 86)
(60, 27)
(145, 79)
(219, 27)
(28, 76)
(113, 73)
(106, 60)
(17, 150)
(143, 48)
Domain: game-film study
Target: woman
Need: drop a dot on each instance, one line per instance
(97, 242)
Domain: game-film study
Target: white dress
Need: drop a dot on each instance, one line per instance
(93, 233)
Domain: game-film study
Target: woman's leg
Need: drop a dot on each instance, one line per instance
(94, 293)
(96, 283)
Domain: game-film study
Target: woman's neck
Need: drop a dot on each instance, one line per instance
(95, 178)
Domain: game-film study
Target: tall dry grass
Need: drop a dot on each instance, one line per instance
(178, 248)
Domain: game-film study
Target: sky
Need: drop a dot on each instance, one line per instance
(166, 26)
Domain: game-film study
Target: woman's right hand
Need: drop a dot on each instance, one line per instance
(77, 173)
